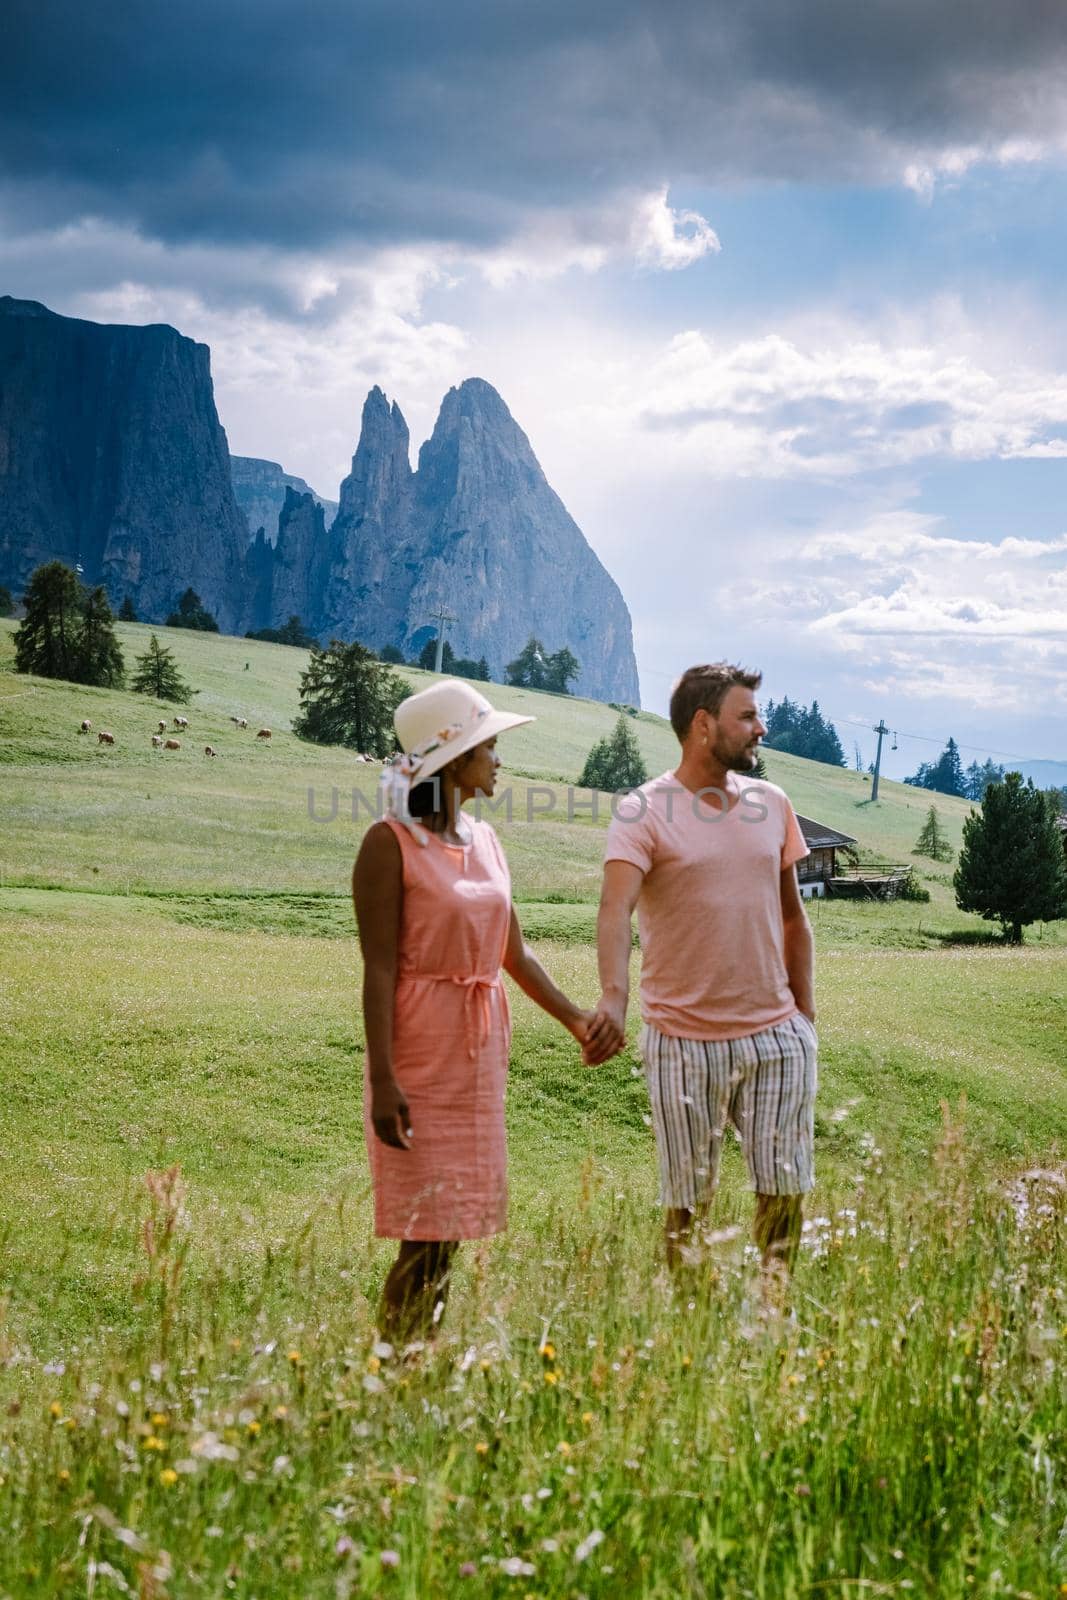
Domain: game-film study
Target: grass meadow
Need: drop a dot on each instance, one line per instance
(193, 1398)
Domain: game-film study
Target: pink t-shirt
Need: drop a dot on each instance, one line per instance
(710, 910)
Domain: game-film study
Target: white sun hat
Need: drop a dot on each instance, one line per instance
(434, 727)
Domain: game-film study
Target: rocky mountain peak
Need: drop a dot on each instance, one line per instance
(381, 466)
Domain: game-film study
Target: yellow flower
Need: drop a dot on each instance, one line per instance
(159, 1419)
(56, 1409)
(71, 1423)
(152, 1443)
(296, 1358)
(564, 1448)
(551, 1377)
(63, 1475)
(587, 1417)
(280, 1413)
(482, 1448)
(548, 1351)
(485, 1365)
(253, 1427)
(168, 1477)
(687, 1361)
(373, 1364)
(794, 1379)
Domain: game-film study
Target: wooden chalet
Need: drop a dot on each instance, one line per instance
(818, 870)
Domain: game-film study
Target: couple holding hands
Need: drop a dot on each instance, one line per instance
(708, 859)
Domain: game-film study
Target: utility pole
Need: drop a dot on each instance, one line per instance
(441, 618)
(881, 731)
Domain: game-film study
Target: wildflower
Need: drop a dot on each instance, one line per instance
(280, 1413)
(551, 1377)
(589, 1544)
(159, 1419)
(468, 1569)
(56, 1409)
(344, 1546)
(295, 1358)
(587, 1418)
(548, 1351)
(373, 1364)
(794, 1379)
(485, 1364)
(481, 1448)
(235, 1345)
(168, 1477)
(803, 1490)
(389, 1558)
(253, 1427)
(563, 1448)
(516, 1567)
(153, 1443)
(63, 1475)
(687, 1361)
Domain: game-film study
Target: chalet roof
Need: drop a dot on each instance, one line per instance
(817, 836)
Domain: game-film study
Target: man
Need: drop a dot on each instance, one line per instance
(707, 854)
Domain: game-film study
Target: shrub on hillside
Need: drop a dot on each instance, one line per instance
(192, 613)
(157, 674)
(615, 762)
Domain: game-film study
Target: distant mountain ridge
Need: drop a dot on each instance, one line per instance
(112, 457)
(259, 489)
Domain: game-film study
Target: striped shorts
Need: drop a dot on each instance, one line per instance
(763, 1084)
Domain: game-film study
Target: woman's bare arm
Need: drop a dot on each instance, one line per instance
(378, 894)
(521, 964)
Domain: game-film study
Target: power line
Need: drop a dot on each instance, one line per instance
(851, 722)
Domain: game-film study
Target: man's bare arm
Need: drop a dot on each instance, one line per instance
(618, 896)
(799, 945)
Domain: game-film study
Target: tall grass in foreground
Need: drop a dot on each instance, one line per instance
(584, 1426)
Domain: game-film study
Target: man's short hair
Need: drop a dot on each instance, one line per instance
(704, 689)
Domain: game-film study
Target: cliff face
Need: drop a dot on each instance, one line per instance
(259, 489)
(112, 455)
(290, 579)
(479, 531)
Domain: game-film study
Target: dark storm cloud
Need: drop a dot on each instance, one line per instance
(325, 122)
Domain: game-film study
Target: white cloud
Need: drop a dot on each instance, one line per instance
(946, 167)
(668, 239)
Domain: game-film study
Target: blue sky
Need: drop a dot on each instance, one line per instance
(779, 307)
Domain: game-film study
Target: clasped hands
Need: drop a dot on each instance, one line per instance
(602, 1031)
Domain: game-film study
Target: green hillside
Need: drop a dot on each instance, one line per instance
(130, 816)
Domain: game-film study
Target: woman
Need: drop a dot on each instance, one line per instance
(436, 923)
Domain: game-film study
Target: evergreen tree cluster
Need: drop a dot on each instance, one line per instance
(192, 613)
(1012, 868)
(7, 602)
(802, 731)
(535, 668)
(946, 775)
(293, 632)
(68, 630)
(455, 666)
(614, 762)
(348, 696)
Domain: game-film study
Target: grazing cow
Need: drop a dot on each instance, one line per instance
(242, 722)
(162, 727)
(157, 741)
(103, 737)
(181, 722)
(86, 726)
(172, 744)
(208, 751)
(264, 733)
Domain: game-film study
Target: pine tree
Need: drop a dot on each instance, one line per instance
(428, 656)
(157, 674)
(483, 670)
(932, 841)
(561, 670)
(47, 638)
(392, 654)
(192, 613)
(68, 631)
(348, 696)
(7, 603)
(528, 670)
(614, 762)
(127, 611)
(99, 653)
(1011, 868)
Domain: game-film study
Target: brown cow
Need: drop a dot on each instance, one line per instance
(172, 744)
(264, 733)
(103, 737)
(86, 726)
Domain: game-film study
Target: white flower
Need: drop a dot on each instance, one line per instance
(516, 1567)
(589, 1544)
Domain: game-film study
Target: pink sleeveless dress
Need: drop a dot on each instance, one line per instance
(451, 1035)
